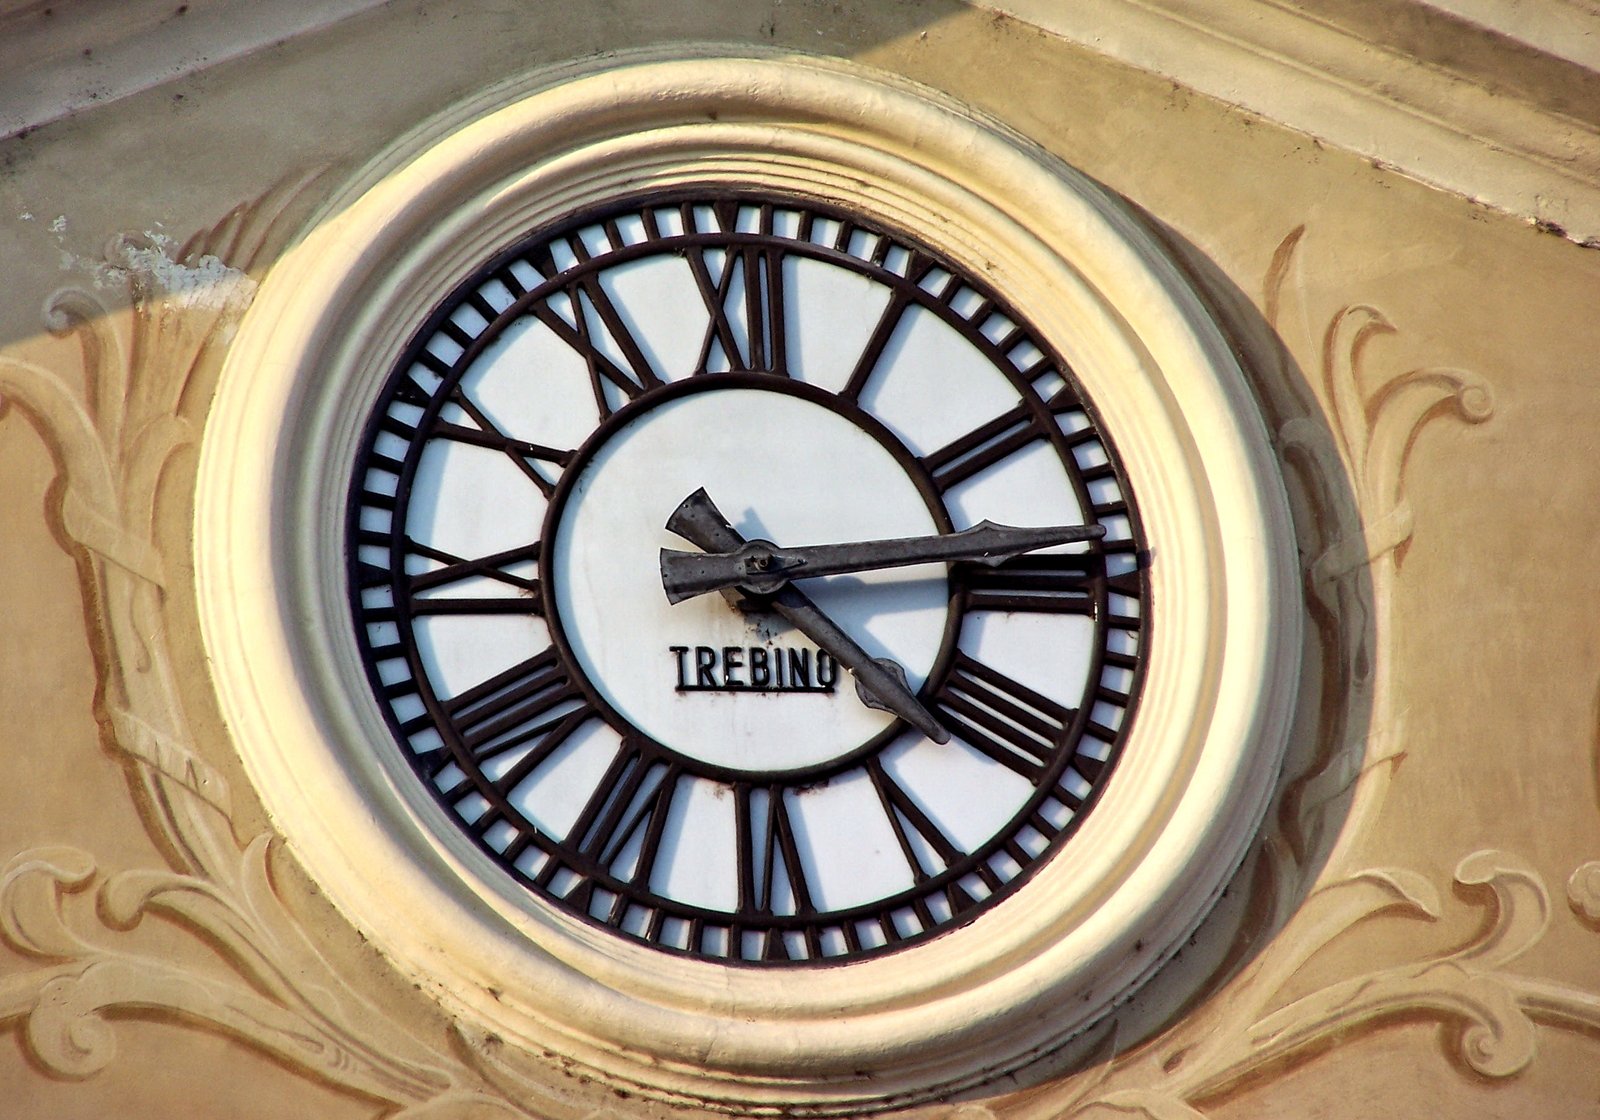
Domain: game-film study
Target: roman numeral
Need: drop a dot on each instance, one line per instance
(1035, 584)
(489, 604)
(888, 320)
(643, 373)
(991, 443)
(456, 569)
(618, 831)
(767, 849)
(632, 800)
(744, 297)
(1017, 727)
(487, 434)
(591, 319)
(906, 816)
(534, 702)
(867, 363)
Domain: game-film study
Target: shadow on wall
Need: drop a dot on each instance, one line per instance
(149, 332)
(1225, 1009)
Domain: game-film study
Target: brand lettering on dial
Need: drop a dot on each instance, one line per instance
(753, 669)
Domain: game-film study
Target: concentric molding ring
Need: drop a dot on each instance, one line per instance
(984, 999)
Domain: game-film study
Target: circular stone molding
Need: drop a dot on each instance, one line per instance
(956, 1010)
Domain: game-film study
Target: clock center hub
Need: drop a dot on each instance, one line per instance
(730, 685)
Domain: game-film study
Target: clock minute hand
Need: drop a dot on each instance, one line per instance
(880, 682)
(762, 568)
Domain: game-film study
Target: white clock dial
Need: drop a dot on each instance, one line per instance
(855, 763)
(739, 690)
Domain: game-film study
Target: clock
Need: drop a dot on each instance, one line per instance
(802, 771)
(747, 581)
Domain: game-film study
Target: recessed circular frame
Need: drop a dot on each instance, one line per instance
(948, 1011)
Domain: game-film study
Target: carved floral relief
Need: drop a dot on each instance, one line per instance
(1491, 1012)
(114, 430)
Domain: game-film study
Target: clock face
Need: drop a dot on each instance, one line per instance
(790, 772)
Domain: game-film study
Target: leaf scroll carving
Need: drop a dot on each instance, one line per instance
(113, 430)
(1492, 1010)
(1489, 1009)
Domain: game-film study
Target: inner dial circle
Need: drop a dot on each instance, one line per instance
(734, 688)
(824, 382)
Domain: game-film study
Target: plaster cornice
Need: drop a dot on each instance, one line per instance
(1495, 103)
(61, 57)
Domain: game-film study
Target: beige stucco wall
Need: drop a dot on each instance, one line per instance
(1425, 365)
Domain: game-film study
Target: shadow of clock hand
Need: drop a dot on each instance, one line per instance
(880, 682)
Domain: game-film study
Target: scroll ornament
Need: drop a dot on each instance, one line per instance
(114, 430)
(1313, 892)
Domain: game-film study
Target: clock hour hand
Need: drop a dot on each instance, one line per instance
(761, 568)
(880, 682)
